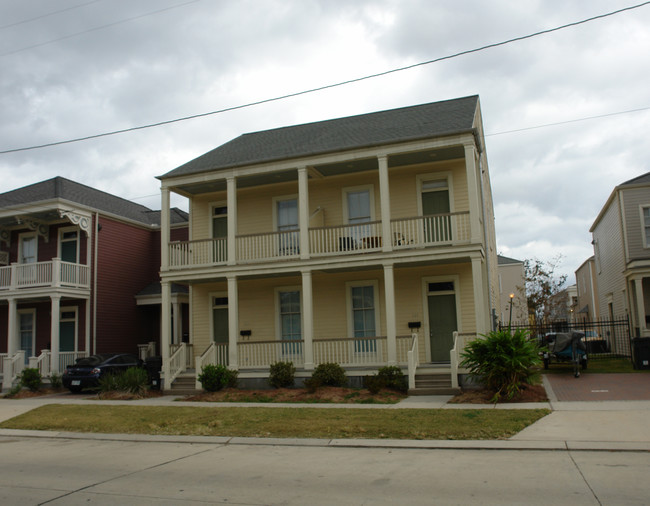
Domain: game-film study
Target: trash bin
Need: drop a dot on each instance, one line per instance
(154, 365)
(641, 352)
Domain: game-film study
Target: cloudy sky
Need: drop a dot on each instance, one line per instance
(565, 113)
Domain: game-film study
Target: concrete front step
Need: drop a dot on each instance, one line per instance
(432, 383)
(434, 391)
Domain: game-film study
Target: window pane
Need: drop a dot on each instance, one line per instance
(359, 206)
(436, 184)
(287, 214)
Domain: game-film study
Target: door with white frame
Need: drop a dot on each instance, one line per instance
(27, 331)
(220, 326)
(286, 223)
(442, 311)
(289, 323)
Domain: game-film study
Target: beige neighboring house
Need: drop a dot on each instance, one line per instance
(587, 291)
(512, 281)
(621, 240)
(365, 241)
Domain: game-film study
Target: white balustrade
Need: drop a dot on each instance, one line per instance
(413, 360)
(264, 353)
(177, 364)
(344, 239)
(431, 230)
(198, 253)
(269, 246)
(455, 358)
(53, 273)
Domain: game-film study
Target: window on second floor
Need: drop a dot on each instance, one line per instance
(645, 214)
(69, 245)
(28, 247)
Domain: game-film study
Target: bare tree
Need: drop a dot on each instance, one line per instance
(542, 286)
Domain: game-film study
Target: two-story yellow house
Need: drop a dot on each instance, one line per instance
(366, 241)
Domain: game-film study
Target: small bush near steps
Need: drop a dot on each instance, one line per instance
(31, 378)
(215, 377)
(390, 377)
(329, 375)
(282, 374)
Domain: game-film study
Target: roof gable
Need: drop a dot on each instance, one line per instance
(366, 130)
(64, 189)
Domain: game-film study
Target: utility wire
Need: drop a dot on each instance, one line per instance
(575, 120)
(95, 29)
(24, 21)
(329, 86)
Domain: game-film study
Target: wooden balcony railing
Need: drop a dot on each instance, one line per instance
(55, 273)
(415, 232)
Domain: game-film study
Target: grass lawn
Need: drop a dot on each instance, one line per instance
(281, 422)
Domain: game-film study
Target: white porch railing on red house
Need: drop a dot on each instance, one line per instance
(44, 361)
(12, 367)
(414, 232)
(54, 273)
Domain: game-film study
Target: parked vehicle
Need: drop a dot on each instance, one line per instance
(566, 347)
(595, 343)
(85, 373)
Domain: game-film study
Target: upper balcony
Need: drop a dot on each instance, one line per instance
(446, 229)
(52, 274)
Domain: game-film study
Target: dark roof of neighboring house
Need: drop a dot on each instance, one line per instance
(366, 130)
(61, 188)
(505, 260)
(644, 178)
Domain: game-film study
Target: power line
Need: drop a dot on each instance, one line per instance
(95, 29)
(24, 21)
(523, 129)
(329, 86)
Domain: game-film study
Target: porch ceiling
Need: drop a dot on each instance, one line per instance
(43, 216)
(327, 170)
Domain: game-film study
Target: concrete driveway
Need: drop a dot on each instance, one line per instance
(599, 387)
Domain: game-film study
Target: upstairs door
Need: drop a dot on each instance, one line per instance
(68, 329)
(69, 246)
(435, 209)
(220, 234)
(26, 322)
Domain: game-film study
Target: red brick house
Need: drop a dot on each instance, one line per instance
(79, 274)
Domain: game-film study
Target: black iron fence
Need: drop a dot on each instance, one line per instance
(604, 338)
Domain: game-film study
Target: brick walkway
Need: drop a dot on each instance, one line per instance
(600, 387)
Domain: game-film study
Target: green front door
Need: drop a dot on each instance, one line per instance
(442, 325)
(220, 332)
(66, 336)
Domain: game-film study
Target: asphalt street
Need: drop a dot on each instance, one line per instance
(86, 471)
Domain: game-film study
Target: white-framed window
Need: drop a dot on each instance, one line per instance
(363, 314)
(289, 320)
(285, 219)
(69, 244)
(645, 225)
(359, 204)
(28, 248)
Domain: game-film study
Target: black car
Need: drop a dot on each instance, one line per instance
(87, 371)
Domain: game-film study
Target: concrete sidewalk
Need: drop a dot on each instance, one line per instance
(602, 425)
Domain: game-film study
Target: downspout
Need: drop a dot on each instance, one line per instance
(485, 228)
(95, 284)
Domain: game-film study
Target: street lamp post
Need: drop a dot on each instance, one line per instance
(512, 296)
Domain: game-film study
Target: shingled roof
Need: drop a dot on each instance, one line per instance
(366, 130)
(64, 189)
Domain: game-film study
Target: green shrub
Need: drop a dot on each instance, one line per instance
(31, 378)
(56, 381)
(502, 361)
(134, 380)
(393, 378)
(282, 374)
(374, 383)
(216, 377)
(330, 375)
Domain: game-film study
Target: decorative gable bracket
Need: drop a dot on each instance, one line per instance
(83, 221)
(41, 228)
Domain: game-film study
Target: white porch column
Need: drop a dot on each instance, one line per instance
(12, 334)
(165, 329)
(176, 318)
(164, 228)
(391, 324)
(303, 211)
(231, 202)
(54, 333)
(384, 199)
(480, 302)
(473, 194)
(233, 321)
(308, 320)
(640, 307)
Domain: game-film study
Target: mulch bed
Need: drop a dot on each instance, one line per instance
(530, 393)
